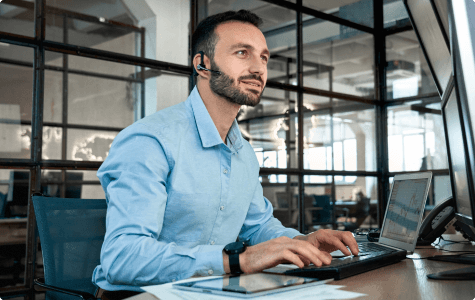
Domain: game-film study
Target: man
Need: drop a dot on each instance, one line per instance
(182, 183)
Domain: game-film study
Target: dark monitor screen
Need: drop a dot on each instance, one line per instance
(18, 193)
(458, 159)
(18, 190)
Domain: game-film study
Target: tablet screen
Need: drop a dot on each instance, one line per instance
(248, 283)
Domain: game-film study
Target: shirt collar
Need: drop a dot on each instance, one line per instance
(208, 132)
(235, 137)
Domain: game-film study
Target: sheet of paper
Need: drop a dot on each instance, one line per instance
(324, 291)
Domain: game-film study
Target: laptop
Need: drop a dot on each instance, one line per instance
(398, 236)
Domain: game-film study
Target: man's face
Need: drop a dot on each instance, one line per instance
(241, 56)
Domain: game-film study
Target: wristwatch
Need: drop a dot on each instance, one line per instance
(233, 250)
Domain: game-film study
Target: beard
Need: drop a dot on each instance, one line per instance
(226, 87)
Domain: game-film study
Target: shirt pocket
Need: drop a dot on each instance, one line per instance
(186, 216)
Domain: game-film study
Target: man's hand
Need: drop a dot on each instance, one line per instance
(280, 250)
(301, 251)
(331, 240)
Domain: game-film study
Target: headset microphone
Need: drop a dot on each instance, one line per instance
(202, 66)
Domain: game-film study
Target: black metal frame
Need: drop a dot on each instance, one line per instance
(198, 9)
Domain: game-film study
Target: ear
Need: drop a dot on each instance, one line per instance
(196, 62)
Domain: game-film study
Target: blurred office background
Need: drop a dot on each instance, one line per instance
(350, 102)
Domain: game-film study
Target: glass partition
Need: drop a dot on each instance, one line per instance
(356, 11)
(338, 135)
(407, 73)
(16, 86)
(17, 18)
(284, 197)
(337, 58)
(270, 128)
(94, 24)
(416, 140)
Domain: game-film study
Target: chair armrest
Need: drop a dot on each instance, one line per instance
(83, 295)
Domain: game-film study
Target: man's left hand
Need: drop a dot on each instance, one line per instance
(331, 240)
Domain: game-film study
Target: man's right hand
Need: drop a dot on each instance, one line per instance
(281, 250)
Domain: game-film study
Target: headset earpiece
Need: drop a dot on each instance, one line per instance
(202, 65)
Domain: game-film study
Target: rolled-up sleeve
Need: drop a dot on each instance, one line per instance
(134, 178)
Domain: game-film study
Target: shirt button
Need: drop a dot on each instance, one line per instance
(221, 208)
(212, 242)
(225, 171)
(210, 272)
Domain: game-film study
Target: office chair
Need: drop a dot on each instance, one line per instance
(71, 233)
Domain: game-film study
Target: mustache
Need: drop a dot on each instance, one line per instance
(252, 76)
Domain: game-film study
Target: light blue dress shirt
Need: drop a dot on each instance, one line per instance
(176, 196)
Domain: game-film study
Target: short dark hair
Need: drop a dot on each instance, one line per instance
(204, 38)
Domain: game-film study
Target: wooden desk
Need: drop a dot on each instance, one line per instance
(406, 279)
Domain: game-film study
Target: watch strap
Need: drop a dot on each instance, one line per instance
(234, 265)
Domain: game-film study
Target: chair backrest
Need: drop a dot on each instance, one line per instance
(71, 233)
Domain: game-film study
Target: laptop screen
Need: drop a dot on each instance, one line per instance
(404, 210)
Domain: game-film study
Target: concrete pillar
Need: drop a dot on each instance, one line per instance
(166, 26)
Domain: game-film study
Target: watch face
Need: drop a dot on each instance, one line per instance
(236, 247)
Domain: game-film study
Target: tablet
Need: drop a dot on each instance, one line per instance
(249, 285)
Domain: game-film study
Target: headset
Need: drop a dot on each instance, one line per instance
(202, 66)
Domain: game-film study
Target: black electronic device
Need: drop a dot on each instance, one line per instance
(202, 65)
(438, 220)
(399, 233)
(431, 18)
(18, 193)
(247, 285)
(51, 182)
(233, 250)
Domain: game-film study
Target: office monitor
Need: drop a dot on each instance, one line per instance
(18, 193)
(430, 22)
(461, 105)
(458, 113)
(51, 182)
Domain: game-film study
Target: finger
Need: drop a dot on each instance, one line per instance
(304, 260)
(339, 245)
(310, 252)
(293, 258)
(349, 240)
(328, 256)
